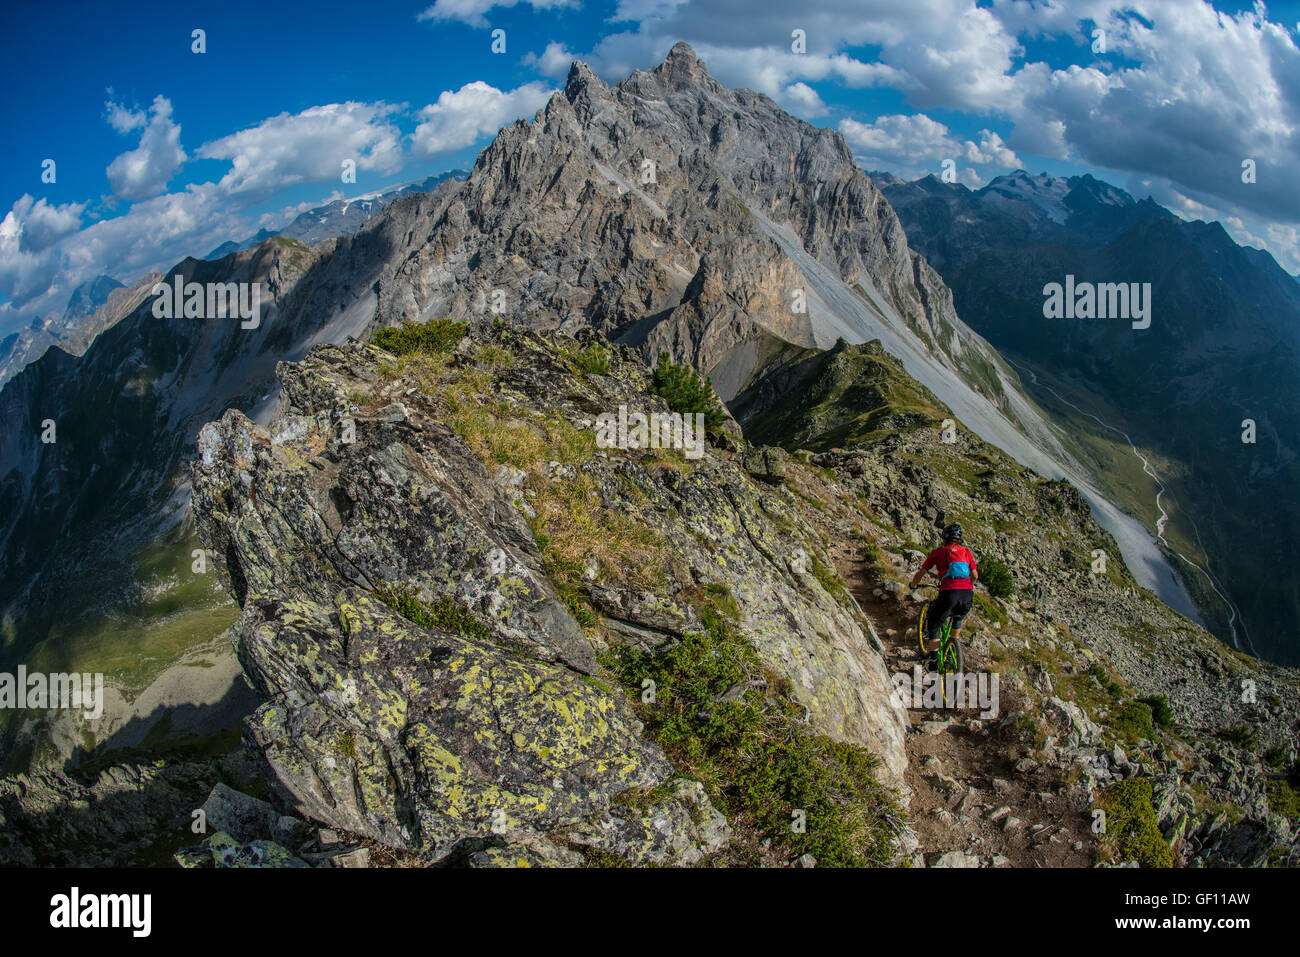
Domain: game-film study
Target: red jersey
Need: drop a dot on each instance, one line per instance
(955, 563)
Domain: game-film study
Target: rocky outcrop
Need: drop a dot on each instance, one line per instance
(479, 736)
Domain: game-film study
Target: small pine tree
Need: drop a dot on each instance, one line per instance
(682, 389)
(996, 577)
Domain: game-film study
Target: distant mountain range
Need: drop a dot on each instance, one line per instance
(1222, 348)
(93, 307)
(342, 217)
(100, 302)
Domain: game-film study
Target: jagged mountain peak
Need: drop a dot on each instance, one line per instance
(581, 79)
(89, 296)
(682, 67)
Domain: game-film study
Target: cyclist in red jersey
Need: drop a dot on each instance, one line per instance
(954, 563)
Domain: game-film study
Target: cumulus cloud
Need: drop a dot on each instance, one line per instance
(914, 145)
(458, 119)
(37, 224)
(308, 147)
(44, 253)
(152, 234)
(473, 12)
(802, 100)
(145, 170)
(123, 118)
(554, 61)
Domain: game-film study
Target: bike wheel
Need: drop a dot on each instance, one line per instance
(920, 629)
(951, 661)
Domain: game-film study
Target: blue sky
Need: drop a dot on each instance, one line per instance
(162, 152)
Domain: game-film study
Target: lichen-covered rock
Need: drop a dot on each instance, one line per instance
(242, 816)
(423, 740)
(222, 850)
(643, 618)
(537, 852)
(680, 828)
(401, 503)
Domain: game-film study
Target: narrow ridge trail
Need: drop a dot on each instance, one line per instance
(978, 799)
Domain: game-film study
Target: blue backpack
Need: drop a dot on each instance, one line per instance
(957, 570)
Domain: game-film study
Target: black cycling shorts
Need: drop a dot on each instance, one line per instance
(951, 603)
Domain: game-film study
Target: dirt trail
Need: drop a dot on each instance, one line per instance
(974, 789)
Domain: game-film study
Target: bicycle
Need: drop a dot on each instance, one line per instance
(949, 657)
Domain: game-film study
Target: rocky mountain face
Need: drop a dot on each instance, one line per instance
(672, 213)
(1224, 335)
(677, 216)
(92, 446)
(479, 491)
(699, 254)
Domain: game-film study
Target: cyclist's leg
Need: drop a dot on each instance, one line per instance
(960, 608)
(940, 609)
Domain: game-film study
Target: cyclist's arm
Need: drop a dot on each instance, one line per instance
(920, 572)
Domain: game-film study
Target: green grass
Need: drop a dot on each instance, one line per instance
(1161, 713)
(829, 580)
(1131, 721)
(443, 614)
(754, 756)
(1275, 756)
(990, 610)
(1242, 735)
(1108, 684)
(843, 398)
(1131, 830)
(130, 621)
(593, 360)
(996, 577)
(437, 335)
(1283, 798)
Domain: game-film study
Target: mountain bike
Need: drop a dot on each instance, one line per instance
(948, 658)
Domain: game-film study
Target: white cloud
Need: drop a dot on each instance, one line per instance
(644, 9)
(473, 12)
(145, 170)
(991, 151)
(308, 147)
(121, 118)
(554, 61)
(802, 100)
(152, 234)
(40, 225)
(914, 145)
(1182, 92)
(460, 118)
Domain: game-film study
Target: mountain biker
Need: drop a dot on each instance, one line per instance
(954, 563)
